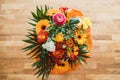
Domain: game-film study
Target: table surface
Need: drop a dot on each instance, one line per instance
(105, 60)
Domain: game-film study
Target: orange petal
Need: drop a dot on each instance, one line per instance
(74, 13)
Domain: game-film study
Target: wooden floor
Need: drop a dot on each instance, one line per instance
(105, 61)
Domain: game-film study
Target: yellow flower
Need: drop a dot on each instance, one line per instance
(59, 37)
(86, 23)
(80, 38)
(50, 12)
(42, 25)
(68, 53)
(75, 53)
(76, 49)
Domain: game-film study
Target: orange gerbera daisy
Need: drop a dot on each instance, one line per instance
(42, 25)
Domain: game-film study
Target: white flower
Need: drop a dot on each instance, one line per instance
(63, 46)
(49, 45)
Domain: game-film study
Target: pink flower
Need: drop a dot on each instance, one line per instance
(59, 19)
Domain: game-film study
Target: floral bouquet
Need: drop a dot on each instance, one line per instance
(60, 40)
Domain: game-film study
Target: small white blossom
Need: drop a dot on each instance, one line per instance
(49, 45)
(63, 46)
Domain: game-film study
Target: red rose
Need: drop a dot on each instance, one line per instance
(58, 45)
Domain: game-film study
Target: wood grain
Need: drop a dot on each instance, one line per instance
(105, 61)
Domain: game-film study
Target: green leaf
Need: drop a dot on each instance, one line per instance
(63, 30)
(29, 41)
(74, 21)
(34, 20)
(85, 56)
(39, 72)
(46, 9)
(69, 32)
(34, 16)
(83, 49)
(31, 34)
(32, 24)
(42, 13)
(32, 30)
(81, 58)
(38, 11)
(35, 68)
(33, 50)
(43, 76)
(67, 37)
(31, 38)
(73, 27)
(36, 64)
(47, 74)
(56, 31)
(29, 47)
(36, 53)
(75, 63)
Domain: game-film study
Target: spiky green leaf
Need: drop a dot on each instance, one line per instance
(32, 24)
(36, 53)
(34, 16)
(29, 41)
(38, 11)
(32, 51)
(85, 56)
(29, 47)
(34, 20)
(81, 58)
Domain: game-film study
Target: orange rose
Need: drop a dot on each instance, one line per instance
(42, 36)
(58, 54)
(69, 43)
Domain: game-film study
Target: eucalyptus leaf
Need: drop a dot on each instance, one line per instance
(74, 21)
